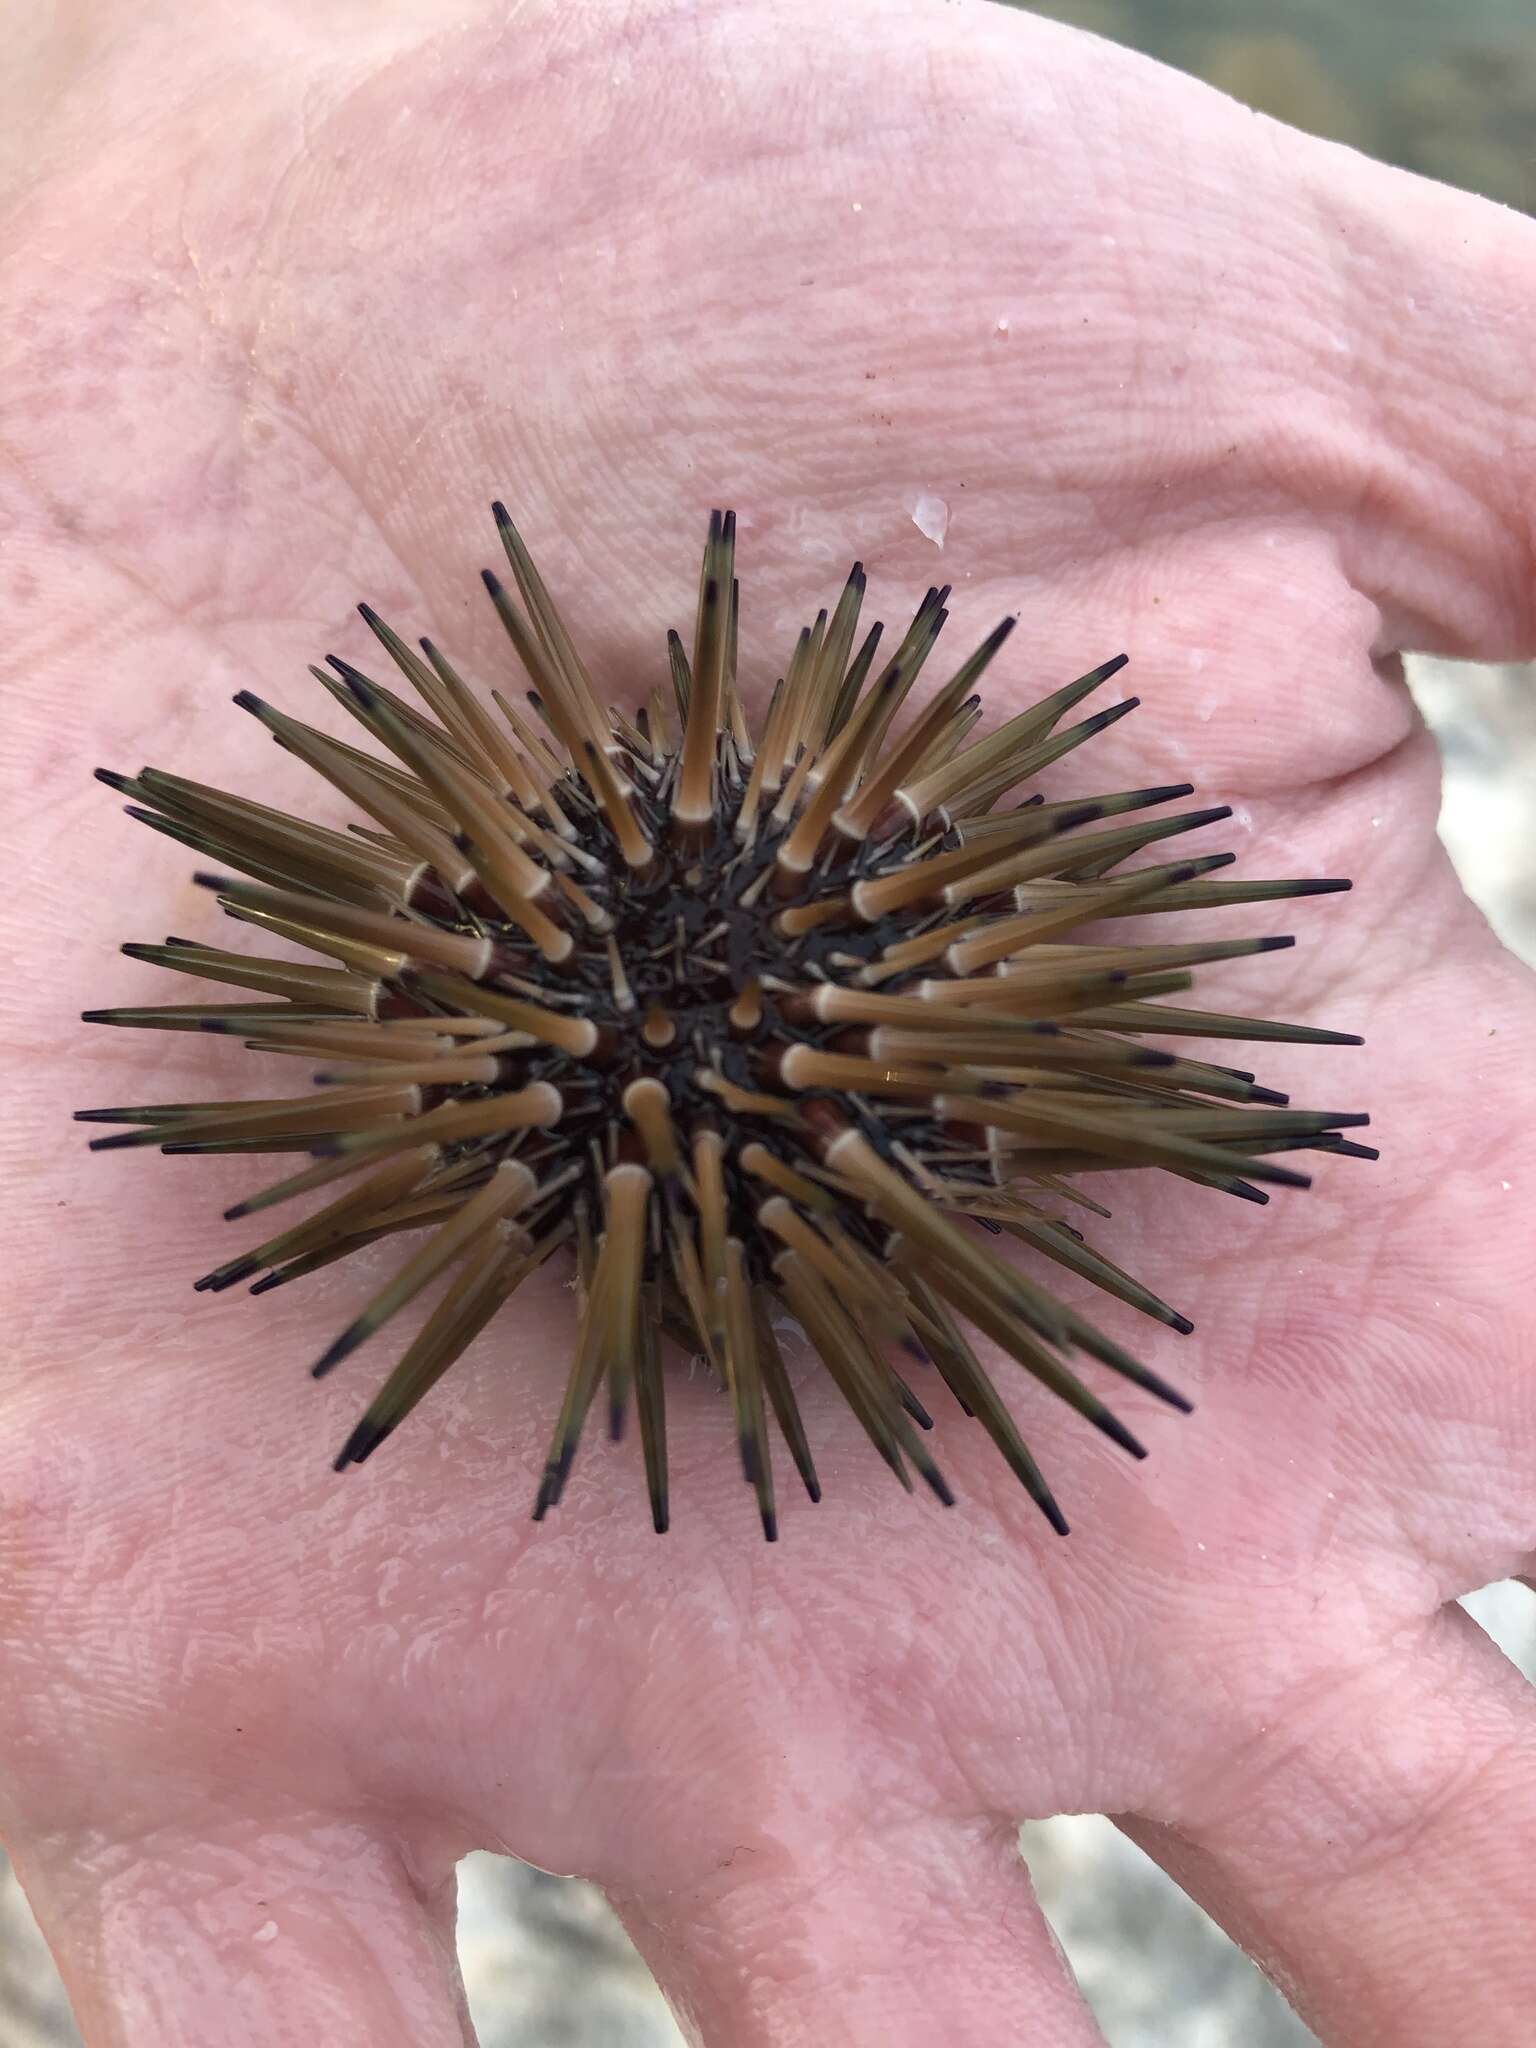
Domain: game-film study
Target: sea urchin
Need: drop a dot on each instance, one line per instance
(754, 1027)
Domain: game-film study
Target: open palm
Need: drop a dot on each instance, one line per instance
(290, 300)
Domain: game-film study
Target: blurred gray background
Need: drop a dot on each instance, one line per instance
(1450, 91)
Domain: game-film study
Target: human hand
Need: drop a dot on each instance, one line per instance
(290, 297)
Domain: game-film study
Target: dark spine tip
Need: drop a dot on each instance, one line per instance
(361, 1444)
(770, 1526)
(1055, 1517)
(1154, 1384)
(1182, 1324)
(336, 1351)
(1083, 814)
(205, 880)
(1116, 1431)
(940, 1485)
(376, 1436)
(1283, 1176)
(548, 1494)
(1101, 719)
(1278, 943)
(249, 701)
(492, 583)
(356, 686)
(118, 1142)
(226, 1276)
(123, 784)
(370, 617)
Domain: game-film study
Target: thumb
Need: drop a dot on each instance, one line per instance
(1433, 326)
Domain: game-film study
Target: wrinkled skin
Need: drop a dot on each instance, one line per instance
(290, 294)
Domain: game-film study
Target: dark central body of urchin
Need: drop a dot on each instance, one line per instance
(753, 1027)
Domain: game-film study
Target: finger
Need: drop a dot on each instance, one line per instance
(263, 1935)
(925, 1933)
(1375, 1849)
(1431, 326)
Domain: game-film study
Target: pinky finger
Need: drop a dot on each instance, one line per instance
(282, 1934)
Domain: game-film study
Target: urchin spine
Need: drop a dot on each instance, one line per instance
(741, 1024)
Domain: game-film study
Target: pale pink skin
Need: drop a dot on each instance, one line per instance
(290, 295)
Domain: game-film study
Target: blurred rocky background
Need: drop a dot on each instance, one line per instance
(1447, 91)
